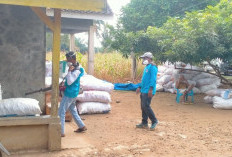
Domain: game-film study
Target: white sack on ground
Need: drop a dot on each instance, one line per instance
(168, 85)
(161, 69)
(164, 79)
(204, 81)
(208, 99)
(171, 90)
(192, 82)
(93, 107)
(19, 106)
(196, 90)
(206, 88)
(169, 71)
(159, 88)
(202, 76)
(215, 92)
(89, 82)
(94, 96)
(221, 103)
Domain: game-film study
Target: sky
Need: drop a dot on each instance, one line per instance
(116, 6)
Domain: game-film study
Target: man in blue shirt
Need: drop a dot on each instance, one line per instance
(72, 84)
(147, 89)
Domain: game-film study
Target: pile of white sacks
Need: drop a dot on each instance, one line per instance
(202, 82)
(220, 98)
(95, 97)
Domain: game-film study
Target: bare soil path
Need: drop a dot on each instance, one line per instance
(196, 130)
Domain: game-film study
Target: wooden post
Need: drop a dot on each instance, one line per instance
(91, 50)
(55, 62)
(72, 42)
(133, 76)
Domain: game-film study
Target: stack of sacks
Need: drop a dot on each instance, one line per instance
(95, 97)
(220, 98)
(202, 82)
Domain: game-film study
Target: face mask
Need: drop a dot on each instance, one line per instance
(69, 64)
(145, 62)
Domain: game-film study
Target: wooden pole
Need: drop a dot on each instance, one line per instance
(55, 62)
(133, 66)
(91, 50)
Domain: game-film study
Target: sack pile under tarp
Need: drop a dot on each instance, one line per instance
(95, 97)
(202, 82)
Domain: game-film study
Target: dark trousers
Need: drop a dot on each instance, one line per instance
(147, 112)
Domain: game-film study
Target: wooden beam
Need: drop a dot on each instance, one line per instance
(43, 17)
(86, 5)
(55, 63)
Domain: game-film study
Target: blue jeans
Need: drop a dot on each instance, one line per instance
(65, 104)
(147, 112)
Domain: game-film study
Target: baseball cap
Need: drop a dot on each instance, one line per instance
(70, 54)
(147, 54)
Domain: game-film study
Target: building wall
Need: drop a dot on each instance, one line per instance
(22, 53)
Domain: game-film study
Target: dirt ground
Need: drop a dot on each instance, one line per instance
(196, 130)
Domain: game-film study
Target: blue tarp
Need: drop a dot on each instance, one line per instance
(126, 86)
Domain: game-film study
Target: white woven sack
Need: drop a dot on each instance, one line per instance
(94, 96)
(164, 79)
(202, 76)
(169, 71)
(196, 90)
(93, 107)
(206, 88)
(159, 88)
(161, 69)
(192, 82)
(215, 92)
(89, 82)
(221, 103)
(208, 99)
(19, 107)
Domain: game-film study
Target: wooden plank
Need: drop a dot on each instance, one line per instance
(43, 17)
(55, 62)
(85, 5)
(31, 120)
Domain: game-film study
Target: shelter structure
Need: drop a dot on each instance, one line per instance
(22, 62)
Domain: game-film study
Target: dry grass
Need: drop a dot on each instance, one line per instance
(112, 67)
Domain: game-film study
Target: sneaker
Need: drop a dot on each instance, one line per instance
(153, 125)
(141, 125)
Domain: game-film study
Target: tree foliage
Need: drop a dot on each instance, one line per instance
(139, 14)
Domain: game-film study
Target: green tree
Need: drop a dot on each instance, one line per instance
(200, 36)
(82, 46)
(139, 14)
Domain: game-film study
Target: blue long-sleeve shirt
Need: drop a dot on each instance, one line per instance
(149, 79)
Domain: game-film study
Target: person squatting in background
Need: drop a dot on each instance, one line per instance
(147, 88)
(72, 84)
